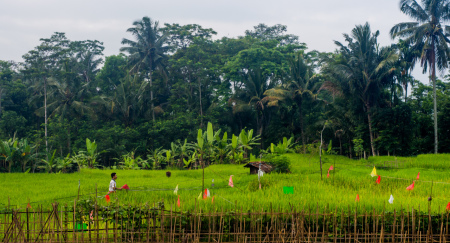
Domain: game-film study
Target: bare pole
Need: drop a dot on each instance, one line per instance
(320, 150)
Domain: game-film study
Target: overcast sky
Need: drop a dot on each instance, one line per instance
(317, 23)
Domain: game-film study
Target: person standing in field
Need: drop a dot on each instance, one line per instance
(112, 184)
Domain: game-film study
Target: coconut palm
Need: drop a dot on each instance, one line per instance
(147, 51)
(302, 86)
(365, 68)
(428, 35)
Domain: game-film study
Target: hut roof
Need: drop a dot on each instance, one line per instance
(264, 166)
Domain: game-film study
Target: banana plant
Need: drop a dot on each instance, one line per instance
(190, 160)
(184, 151)
(49, 165)
(247, 141)
(8, 151)
(282, 147)
(234, 147)
(64, 164)
(222, 147)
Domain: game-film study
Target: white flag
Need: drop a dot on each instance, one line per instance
(391, 199)
(260, 174)
(176, 190)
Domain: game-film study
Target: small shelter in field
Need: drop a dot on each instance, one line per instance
(254, 167)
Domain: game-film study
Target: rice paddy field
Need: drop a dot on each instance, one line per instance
(338, 191)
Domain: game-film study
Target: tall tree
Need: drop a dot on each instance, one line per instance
(429, 36)
(147, 51)
(44, 62)
(366, 68)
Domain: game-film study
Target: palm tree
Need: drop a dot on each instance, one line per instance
(301, 87)
(147, 51)
(364, 66)
(427, 35)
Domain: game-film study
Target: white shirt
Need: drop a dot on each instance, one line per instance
(112, 185)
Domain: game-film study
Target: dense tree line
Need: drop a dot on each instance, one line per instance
(171, 80)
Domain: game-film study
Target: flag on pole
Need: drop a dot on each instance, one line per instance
(29, 206)
(374, 172)
(410, 187)
(378, 179)
(91, 215)
(107, 199)
(448, 207)
(331, 168)
(328, 174)
(176, 190)
(126, 187)
(178, 202)
(205, 194)
(199, 196)
(230, 182)
(391, 199)
(418, 176)
(357, 198)
(260, 174)
(212, 200)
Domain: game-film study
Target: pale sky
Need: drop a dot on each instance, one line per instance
(317, 23)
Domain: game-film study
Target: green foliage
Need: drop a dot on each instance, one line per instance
(282, 147)
(279, 163)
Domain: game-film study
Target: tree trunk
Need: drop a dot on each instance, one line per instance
(433, 79)
(152, 106)
(201, 107)
(1, 94)
(45, 116)
(370, 129)
(340, 146)
(301, 127)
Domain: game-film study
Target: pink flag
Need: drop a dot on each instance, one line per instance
(91, 215)
(125, 187)
(410, 187)
(357, 198)
(328, 174)
(178, 202)
(418, 176)
(331, 168)
(378, 179)
(28, 205)
(230, 182)
(107, 198)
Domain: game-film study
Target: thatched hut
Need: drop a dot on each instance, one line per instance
(254, 167)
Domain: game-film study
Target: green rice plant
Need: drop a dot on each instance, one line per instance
(348, 179)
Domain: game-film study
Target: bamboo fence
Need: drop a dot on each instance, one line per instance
(158, 224)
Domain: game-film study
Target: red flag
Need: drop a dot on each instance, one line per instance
(448, 206)
(126, 187)
(357, 198)
(328, 174)
(91, 215)
(212, 200)
(331, 168)
(418, 176)
(378, 179)
(178, 202)
(205, 194)
(107, 198)
(410, 187)
(29, 206)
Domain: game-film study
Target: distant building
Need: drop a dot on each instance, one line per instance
(254, 167)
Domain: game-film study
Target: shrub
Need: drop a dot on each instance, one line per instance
(279, 163)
